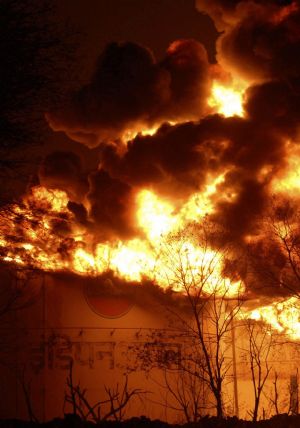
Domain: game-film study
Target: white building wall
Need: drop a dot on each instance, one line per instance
(63, 325)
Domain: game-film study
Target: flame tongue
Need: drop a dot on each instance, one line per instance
(49, 239)
(27, 230)
(228, 101)
(283, 316)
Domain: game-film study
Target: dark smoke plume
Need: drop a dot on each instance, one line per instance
(129, 90)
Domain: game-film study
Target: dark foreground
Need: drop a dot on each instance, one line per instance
(71, 421)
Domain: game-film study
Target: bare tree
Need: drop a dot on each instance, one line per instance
(194, 266)
(260, 343)
(112, 407)
(293, 394)
(275, 256)
(281, 397)
(275, 398)
(186, 392)
(36, 53)
(26, 388)
(20, 288)
(286, 232)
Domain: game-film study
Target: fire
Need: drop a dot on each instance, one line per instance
(41, 232)
(288, 179)
(153, 215)
(130, 134)
(158, 255)
(158, 217)
(26, 229)
(53, 200)
(228, 101)
(282, 316)
(136, 259)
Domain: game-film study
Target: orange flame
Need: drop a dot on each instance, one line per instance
(130, 134)
(228, 100)
(139, 258)
(282, 316)
(287, 179)
(42, 233)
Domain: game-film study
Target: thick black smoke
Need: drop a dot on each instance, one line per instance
(260, 38)
(63, 170)
(129, 90)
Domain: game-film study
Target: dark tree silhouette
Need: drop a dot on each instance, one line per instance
(275, 260)
(111, 407)
(211, 308)
(260, 343)
(35, 57)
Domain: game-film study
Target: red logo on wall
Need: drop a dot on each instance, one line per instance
(102, 298)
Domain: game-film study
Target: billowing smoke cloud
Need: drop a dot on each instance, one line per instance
(111, 202)
(275, 105)
(260, 38)
(63, 170)
(129, 90)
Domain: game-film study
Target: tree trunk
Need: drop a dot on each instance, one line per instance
(219, 405)
(255, 410)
